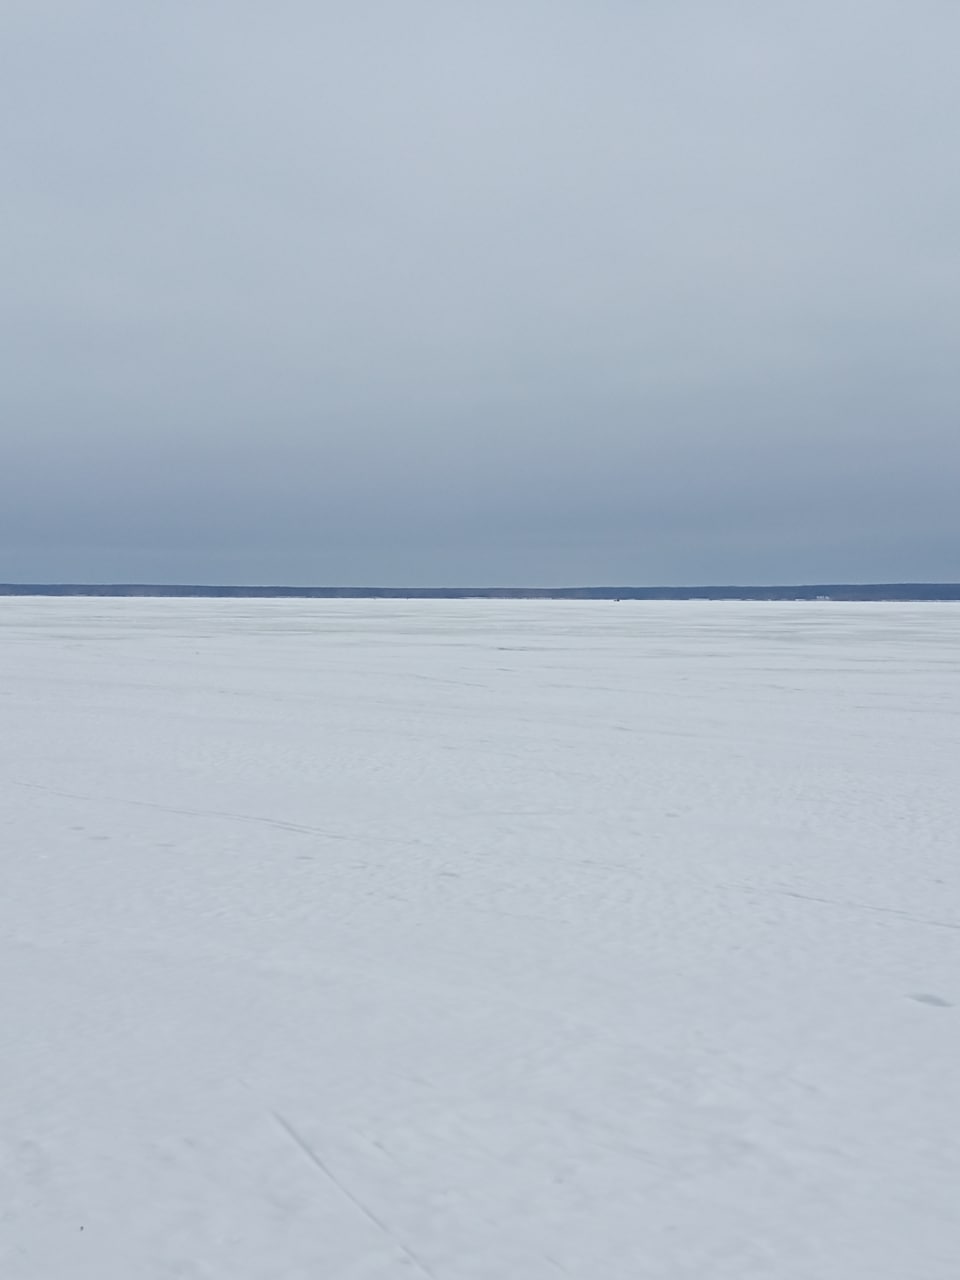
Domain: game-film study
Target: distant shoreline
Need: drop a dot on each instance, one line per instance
(902, 591)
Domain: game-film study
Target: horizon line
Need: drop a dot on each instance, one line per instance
(811, 590)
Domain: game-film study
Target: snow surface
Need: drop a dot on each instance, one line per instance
(479, 940)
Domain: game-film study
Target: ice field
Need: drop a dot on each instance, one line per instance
(479, 940)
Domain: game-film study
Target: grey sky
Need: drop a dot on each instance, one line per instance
(451, 291)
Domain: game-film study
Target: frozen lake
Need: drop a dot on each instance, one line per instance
(479, 940)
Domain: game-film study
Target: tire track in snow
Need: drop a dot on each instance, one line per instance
(318, 1163)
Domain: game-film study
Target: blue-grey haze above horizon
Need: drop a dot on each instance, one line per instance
(459, 292)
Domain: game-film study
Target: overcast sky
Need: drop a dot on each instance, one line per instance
(480, 291)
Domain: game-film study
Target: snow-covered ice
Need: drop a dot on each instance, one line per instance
(479, 940)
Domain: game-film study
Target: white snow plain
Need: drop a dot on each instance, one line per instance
(479, 940)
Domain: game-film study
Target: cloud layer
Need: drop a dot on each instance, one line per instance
(480, 292)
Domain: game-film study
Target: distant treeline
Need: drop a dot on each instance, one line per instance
(823, 591)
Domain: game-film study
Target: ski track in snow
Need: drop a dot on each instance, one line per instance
(479, 940)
